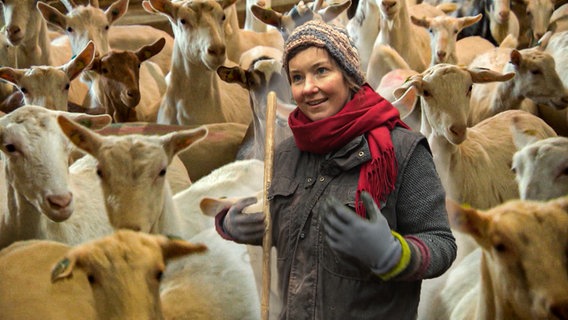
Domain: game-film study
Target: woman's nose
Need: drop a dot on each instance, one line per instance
(310, 85)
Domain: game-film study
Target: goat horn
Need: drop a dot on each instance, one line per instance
(94, 3)
(317, 5)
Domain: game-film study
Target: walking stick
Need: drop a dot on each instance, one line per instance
(267, 239)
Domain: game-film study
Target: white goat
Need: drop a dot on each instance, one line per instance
(535, 79)
(474, 162)
(520, 270)
(261, 76)
(556, 44)
(138, 198)
(540, 165)
(45, 198)
(363, 29)
(443, 39)
(396, 29)
(194, 94)
(48, 86)
(240, 40)
(299, 14)
(111, 278)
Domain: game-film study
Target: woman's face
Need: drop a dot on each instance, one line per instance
(318, 85)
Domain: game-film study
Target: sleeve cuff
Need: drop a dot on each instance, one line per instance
(219, 218)
(404, 259)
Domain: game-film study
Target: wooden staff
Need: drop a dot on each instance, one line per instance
(267, 239)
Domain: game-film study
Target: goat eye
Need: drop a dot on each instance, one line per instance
(499, 247)
(105, 70)
(91, 279)
(106, 27)
(69, 29)
(99, 173)
(162, 172)
(182, 21)
(24, 90)
(67, 86)
(223, 18)
(514, 170)
(469, 90)
(426, 93)
(10, 148)
(159, 275)
(536, 71)
(565, 172)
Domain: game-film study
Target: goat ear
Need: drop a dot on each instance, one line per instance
(226, 3)
(116, 10)
(467, 220)
(465, 22)
(333, 11)
(178, 141)
(562, 202)
(11, 75)
(516, 58)
(174, 248)
(52, 16)
(267, 16)
(165, 7)
(147, 52)
(522, 135)
(424, 22)
(234, 75)
(483, 75)
(414, 81)
(83, 138)
(74, 67)
(63, 268)
(543, 41)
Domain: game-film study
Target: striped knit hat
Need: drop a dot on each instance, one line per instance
(334, 39)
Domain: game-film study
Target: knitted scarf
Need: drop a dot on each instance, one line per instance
(367, 113)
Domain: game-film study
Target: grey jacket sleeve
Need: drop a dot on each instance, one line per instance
(422, 218)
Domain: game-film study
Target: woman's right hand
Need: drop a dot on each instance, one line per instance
(244, 227)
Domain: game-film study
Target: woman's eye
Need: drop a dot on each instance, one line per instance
(321, 70)
(296, 78)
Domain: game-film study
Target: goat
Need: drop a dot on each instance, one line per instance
(110, 278)
(540, 165)
(48, 86)
(198, 52)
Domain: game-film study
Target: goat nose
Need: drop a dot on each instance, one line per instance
(458, 130)
(13, 30)
(216, 50)
(504, 14)
(560, 309)
(441, 54)
(60, 201)
(388, 4)
(133, 94)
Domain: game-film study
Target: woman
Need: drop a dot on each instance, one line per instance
(358, 210)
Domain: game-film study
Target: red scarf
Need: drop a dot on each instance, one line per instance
(367, 113)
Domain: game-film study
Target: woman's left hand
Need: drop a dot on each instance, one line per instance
(370, 241)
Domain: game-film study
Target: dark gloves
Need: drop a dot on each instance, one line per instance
(244, 227)
(370, 241)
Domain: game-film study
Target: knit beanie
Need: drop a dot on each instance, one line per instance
(334, 39)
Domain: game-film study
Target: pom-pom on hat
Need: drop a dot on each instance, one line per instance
(334, 39)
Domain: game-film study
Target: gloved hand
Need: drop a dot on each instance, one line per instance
(244, 227)
(370, 241)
